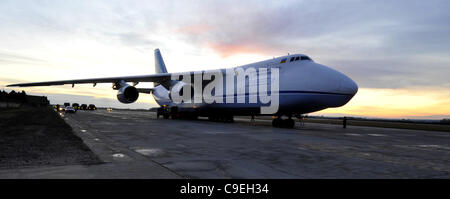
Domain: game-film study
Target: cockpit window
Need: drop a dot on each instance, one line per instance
(305, 58)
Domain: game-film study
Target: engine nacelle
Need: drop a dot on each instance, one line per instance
(127, 94)
(161, 94)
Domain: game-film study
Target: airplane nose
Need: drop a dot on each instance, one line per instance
(336, 81)
(348, 86)
(340, 87)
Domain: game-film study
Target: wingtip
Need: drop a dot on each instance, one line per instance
(13, 85)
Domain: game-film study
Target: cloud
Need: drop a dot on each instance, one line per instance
(379, 43)
(390, 72)
(132, 39)
(12, 58)
(288, 25)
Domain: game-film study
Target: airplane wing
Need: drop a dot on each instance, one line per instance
(162, 77)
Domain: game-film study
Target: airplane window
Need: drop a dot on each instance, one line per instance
(283, 61)
(297, 58)
(305, 58)
(292, 59)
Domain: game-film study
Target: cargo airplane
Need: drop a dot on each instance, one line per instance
(304, 86)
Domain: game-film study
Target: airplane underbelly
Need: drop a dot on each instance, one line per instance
(290, 102)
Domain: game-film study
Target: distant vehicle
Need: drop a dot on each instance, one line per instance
(92, 107)
(67, 104)
(83, 107)
(62, 108)
(109, 109)
(70, 109)
(75, 106)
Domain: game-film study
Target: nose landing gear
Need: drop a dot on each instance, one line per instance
(283, 123)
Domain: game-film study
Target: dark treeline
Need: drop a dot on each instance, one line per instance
(13, 96)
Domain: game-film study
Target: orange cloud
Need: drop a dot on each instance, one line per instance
(223, 48)
(226, 50)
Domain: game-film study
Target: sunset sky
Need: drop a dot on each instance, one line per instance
(398, 52)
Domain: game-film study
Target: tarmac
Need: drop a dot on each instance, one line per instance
(134, 144)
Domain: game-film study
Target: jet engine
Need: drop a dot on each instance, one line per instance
(127, 94)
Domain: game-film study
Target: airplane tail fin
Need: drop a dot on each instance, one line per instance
(160, 67)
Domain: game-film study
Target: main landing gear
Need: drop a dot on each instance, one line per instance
(221, 118)
(283, 123)
(173, 113)
(163, 111)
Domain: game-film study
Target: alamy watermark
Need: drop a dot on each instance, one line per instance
(252, 85)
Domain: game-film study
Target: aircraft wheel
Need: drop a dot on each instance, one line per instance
(190, 116)
(289, 123)
(212, 118)
(228, 119)
(175, 116)
(280, 123)
(276, 122)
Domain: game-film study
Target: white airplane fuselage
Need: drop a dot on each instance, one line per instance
(304, 87)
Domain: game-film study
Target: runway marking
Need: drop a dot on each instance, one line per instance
(425, 147)
(377, 135)
(149, 152)
(216, 132)
(354, 134)
(118, 155)
(433, 146)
